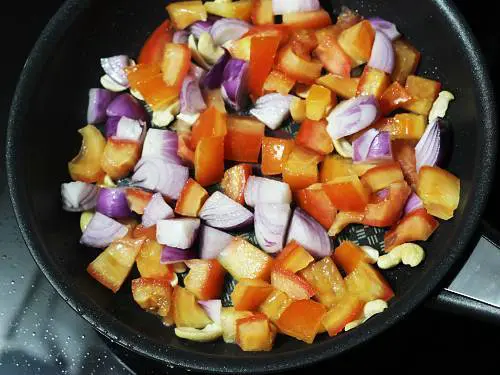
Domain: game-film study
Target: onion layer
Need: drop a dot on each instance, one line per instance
(78, 196)
(227, 29)
(99, 100)
(272, 109)
(172, 255)
(101, 231)
(310, 234)
(128, 106)
(220, 211)
(372, 146)
(382, 56)
(266, 190)
(271, 222)
(112, 202)
(212, 241)
(414, 203)
(281, 7)
(386, 27)
(161, 144)
(191, 97)
(427, 149)
(234, 87)
(179, 233)
(114, 67)
(157, 209)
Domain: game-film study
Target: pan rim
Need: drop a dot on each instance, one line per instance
(104, 322)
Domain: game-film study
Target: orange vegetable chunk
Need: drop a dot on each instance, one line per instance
(300, 170)
(187, 312)
(313, 136)
(293, 285)
(382, 176)
(209, 161)
(176, 64)
(408, 126)
(138, 199)
(192, 198)
(262, 53)
(394, 97)
(148, 262)
(185, 13)
(423, 92)
(274, 152)
(368, 284)
(302, 320)
(152, 50)
(357, 42)
(406, 60)
(205, 278)
(255, 333)
(86, 166)
(297, 67)
(347, 193)
(234, 182)
(293, 258)
(120, 157)
(275, 304)
(319, 100)
(153, 295)
(335, 166)
(262, 12)
(316, 203)
(373, 82)
(249, 294)
(349, 308)
(345, 87)
(244, 139)
(277, 81)
(237, 9)
(348, 255)
(211, 123)
(307, 20)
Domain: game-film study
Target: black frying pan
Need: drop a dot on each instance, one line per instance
(50, 104)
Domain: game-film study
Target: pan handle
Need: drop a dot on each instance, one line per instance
(475, 291)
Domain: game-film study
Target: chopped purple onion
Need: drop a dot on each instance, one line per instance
(99, 100)
(115, 66)
(213, 79)
(172, 255)
(180, 37)
(178, 233)
(212, 241)
(161, 144)
(128, 106)
(112, 202)
(101, 231)
(281, 7)
(272, 109)
(266, 190)
(156, 209)
(191, 97)
(227, 29)
(310, 234)
(428, 147)
(382, 56)
(220, 211)
(388, 28)
(234, 87)
(271, 223)
(78, 196)
(414, 203)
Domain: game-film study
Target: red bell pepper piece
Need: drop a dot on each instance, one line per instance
(184, 149)
(373, 82)
(316, 203)
(388, 211)
(368, 284)
(347, 193)
(302, 69)
(262, 53)
(138, 199)
(185, 13)
(234, 182)
(293, 258)
(148, 262)
(152, 50)
(153, 295)
(300, 170)
(211, 123)
(120, 157)
(406, 60)
(343, 219)
(357, 42)
(86, 166)
(249, 294)
(244, 139)
(302, 319)
(423, 92)
(382, 176)
(330, 53)
(277, 81)
(205, 278)
(209, 161)
(348, 255)
(313, 135)
(394, 97)
(347, 309)
(175, 64)
(192, 198)
(404, 153)
(307, 20)
(274, 152)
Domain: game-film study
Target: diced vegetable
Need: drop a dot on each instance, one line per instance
(407, 126)
(274, 305)
(148, 262)
(372, 147)
(138, 199)
(357, 42)
(209, 161)
(224, 30)
(237, 9)
(140, 231)
(387, 212)
(212, 241)
(102, 231)
(313, 135)
(404, 154)
(228, 318)
(255, 333)
(343, 219)
(373, 82)
(187, 312)
(113, 265)
(280, 7)
(176, 256)
(293, 285)
(307, 20)
(297, 67)
(278, 82)
(349, 308)
(407, 59)
(249, 294)
(368, 284)
(86, 166)
(205, 278)
(79, 196)
(112, 202)
(330, 53)
(316, 203)
(163, 144)
(125, 105)
(274, 152)
(382, 176)
(271, 222)
(343, 86)
(235, 81)
(319, 100)
(262, 53)
(414, 203)
(153, 295)
(192, 198)
(272, 109)
(293, 258)
(298, 109)
(266, 190)
(211, 123)
(423, 92)
(213, 79)
(243, 140)
(302, 319)
(176, 64)
(347, 193)
(243, 260)
(428, 147)
(348, 255)
(300, 170)
(309, 233)
(394, 97)
(234, 182)
(179, 233)
(99, 100)
(213, 308)
(191, 98)
(185, 13)
(439, 190)
(335, 166)
(326, 279)
(220, 211)
(152, 50)
(382, 56)
(119, 157)
(415, 226)
(388, 28)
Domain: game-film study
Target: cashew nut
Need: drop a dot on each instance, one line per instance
(440, 105)
(85, 218)
(209, 333)
(189, 118)
(374, 307)
(343, 147)
(195, 54)
(108, 83)
(136, 94)
(412, 255)
(389, 260)
(352, 324)
(208, 50)
(164, 117)
(372, 253)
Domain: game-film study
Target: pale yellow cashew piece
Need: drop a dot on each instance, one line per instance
(195, 54)
(343, 147)
(109, 84)
(164, 117)
(372, 253)
(440, 105)
(209, 333)
(208, 50)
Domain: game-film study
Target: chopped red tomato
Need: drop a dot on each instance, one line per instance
(301, 168)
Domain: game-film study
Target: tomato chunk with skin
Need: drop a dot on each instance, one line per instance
(244, 139)
(301, 168)
(313, 135)
(211, 123)
(347, 193)
(153, 295)
(373, 82)
(302, 319)
(192, 198)
(185, 13)
(382, 176)
(274, 152)
(209, 161)
(345, 87)
(439, 190)
(263, 50)
(349, 308)
(148, 261)
(152, 50)
(291, 284)
(423, 92)
(307, 20)
(316, 203)
(394, 97)
(275, 304)
(255, 333)
(415, 226)
(297, 67)
(278, 82)
(326, 279)
(348, 255)
(357, 42)
(387, 212)
(293, 258)
(205, 278)
(120, 157)
(249, 294)
(176, 64)
(187, 312)
(234, 182)
(86, 166)
(368, 284)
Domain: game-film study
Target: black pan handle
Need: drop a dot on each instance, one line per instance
(475, 290)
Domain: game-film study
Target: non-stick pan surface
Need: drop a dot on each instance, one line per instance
(50, 104)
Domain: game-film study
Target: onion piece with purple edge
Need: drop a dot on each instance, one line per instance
(212, 241)
(197, 71)
(361, 145)
(266, 190)
(234, 87)
(272, 109)
(220, 211)
(310, 234)
(179, 233)
(281, 7)
(157, 174)
(128, 106)
(200, 27)
(382, 56)
(372, 146)
(163, 144)
(414, 203)
(428, 147)
(156, 209)
(172, 255)
(99, 100)
(213, 309)
(130, 130)
(191, 98)
(271, 222)
(115, 68)
(386, 27)
(227, 29)
(213, 79)
(351, 116)
(180, 37)
(101, 231)
(112, 202)
(111, 126)
(79, 196)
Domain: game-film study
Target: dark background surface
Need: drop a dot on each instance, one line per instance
(39, 333)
